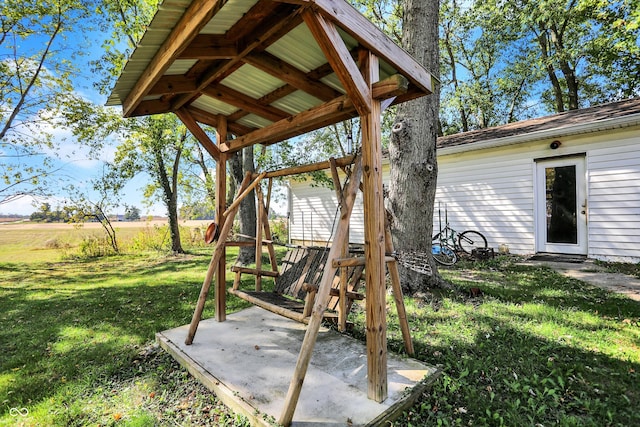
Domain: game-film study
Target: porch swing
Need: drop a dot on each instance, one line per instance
(330, 278)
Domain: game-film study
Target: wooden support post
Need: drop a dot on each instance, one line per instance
(213, 266)
(259, 229)
(344, 272)
(221, 197)
(244, 193)
(376, 320)
(322, 299)
(392, 267)
(267, 229)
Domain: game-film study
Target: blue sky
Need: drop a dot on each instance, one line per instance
(75, 165)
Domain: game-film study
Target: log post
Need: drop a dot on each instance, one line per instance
(213, 265)
(221, 197)
(392, 267)
(374, 238)
(344, 272)
(259, 229)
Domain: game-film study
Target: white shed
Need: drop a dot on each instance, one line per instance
(567, 183)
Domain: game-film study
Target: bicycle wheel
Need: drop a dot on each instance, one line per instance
(443, 254)
(470, 240)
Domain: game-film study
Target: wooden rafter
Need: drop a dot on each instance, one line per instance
(327, 36)
(199, 133)
(333, 111)
(291, 75)
(245, 102)
(192, 21)
(210, 46)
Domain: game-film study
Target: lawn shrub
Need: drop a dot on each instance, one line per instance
(154, 238)
(92, 246)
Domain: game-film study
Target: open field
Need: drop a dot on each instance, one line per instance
(32, 242)
(536, 348)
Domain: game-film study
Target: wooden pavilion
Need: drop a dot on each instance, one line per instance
(260, 72)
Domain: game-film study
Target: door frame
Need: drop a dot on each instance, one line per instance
(540, 204)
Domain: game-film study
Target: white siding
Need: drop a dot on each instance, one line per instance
(491, 193)
(614, 201)
(313, 214)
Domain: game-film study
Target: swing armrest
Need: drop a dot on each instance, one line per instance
(268, 273)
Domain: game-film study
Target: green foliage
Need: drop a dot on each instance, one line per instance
(35, 85)
(153, 238)
(93, 246)
(131, 213)
(88, 356)
(537, 348)
(279, 230)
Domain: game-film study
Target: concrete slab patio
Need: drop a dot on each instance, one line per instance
(248, 361)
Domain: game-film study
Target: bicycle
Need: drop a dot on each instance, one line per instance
(450, 241)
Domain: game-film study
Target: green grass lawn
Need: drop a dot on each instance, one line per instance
(535, 349)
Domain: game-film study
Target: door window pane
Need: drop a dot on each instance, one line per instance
(561, 204)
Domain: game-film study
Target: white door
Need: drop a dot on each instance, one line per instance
(561, 206)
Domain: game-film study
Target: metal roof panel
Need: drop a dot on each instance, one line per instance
(212, 105)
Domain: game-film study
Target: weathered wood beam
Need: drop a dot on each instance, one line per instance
(146, 108)
(210, 46)
(282, 17)
(373, 39)
(322, 298)
(192, 21)
(172, 85)
(245, 102)
(338, 55)
(338, 109)
(291, 75)
(315, 118)
(213, 267)
(313, 167)
(374, 238)
(251, 20)
(221, 199)
(199, 133)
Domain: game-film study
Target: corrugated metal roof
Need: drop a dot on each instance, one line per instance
(251, 81)
(228, 15)
(299, 49)
(276, 40)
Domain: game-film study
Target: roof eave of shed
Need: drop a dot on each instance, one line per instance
(558, 132)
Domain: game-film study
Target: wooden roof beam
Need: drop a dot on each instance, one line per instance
(372, 38)
(281, 18)
(291, 75)
(245, 102)
(213, 120)
(210, 46)
(329, 40)
(171, 85)
(192, 21)
(199, 133)
(338, 109)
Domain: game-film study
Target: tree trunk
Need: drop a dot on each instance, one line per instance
(239, 164)
(170, 196)
(543, 41)
(412, 150)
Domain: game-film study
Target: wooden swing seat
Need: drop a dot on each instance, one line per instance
(297, 283)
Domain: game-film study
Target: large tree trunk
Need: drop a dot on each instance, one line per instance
(412, 150)
(239, 164)
(170, 190)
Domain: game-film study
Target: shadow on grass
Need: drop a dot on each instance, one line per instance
(536, 349)
(68, 327)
